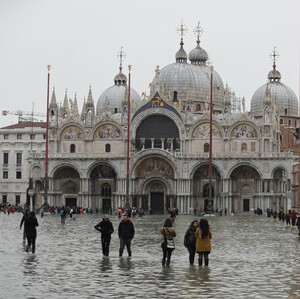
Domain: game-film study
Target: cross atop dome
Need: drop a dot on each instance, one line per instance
(274, 56)
(198, 31)
(121, 55)
(182, 30)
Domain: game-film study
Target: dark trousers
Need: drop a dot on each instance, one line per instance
(125, 242)
(192, 251)
(105, 245)
(205, 254)
(31, 242)
(166, 256)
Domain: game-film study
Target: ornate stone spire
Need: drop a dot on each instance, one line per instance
(53, 103)
(90, 101)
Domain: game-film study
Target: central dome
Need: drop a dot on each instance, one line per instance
(185, 81)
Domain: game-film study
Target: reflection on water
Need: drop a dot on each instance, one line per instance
(252, 257)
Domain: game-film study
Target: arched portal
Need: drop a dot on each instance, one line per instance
(154, 184)
(157, 197)
(66, 185)
(157, 131)
(201, 187)
(102, 184)
(245, 184)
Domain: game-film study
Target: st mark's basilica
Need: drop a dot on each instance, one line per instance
(170, 143)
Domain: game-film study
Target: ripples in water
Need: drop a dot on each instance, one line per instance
(252, 257)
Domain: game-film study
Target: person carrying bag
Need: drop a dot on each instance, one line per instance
(168, 245)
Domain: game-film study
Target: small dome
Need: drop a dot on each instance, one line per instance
(181, 55)
(198, 55)
(274, 75)
(120, 79)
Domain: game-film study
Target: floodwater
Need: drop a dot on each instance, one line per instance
(252, 257)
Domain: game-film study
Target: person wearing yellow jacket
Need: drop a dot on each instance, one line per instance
(203, 241)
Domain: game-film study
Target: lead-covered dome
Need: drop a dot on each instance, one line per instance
(181, 80)
(112, 98)
(284, 97)
(199, 57)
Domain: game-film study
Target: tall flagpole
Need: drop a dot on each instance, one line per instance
(128, 139)
(47, 142)
(210, 200)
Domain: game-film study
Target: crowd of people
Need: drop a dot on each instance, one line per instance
(197, 239)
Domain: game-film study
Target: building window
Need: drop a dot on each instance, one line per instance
(19, 158)
(107, 148)
(32, 136)
(19, 136)
(290, 122)
(106, 190)
(198, 107)
(285, 111)
(44, 136)
(18, 175)
(18, 199)
(281, 121)
(72, 148)
(5, 174)
(5, 158)
(116, 110)
(4, 198)
(206, 148)
(5, 136)
(175, 96)
(244, 147)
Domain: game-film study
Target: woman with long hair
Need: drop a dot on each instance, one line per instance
(168, 233)
(190, 240)
(203, 241)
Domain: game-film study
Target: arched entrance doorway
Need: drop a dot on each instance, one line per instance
(66, 187)
(157, 197)
(102, 184)
(154, 184)
(201, 187)
(245, 182)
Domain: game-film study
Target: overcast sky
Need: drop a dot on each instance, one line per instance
(80, 39)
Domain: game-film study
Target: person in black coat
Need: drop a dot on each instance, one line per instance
(126, 234)
(190, 240)
(298, 224)
(105, 227)
(30, 230)
(25, 216)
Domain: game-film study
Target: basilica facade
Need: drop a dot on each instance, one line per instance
(169, 144)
